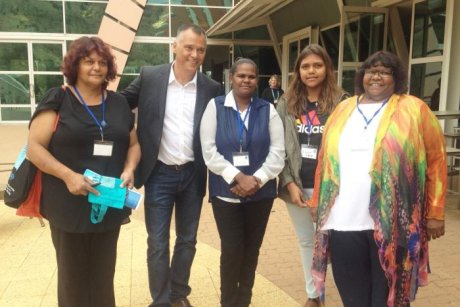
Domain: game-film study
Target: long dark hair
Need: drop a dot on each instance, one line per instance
(330, 93)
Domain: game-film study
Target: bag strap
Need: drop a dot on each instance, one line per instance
(98, 212)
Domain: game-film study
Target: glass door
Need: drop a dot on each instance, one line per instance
(292, 45)
(363, 31)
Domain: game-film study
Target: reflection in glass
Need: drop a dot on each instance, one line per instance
(47, 57)
(293, 53)
(154, 22)
(260, 32)
(363, 35)
(84, 17)
(205, 17)
(14, 89)
(157, 1)
(146, 54)
(44, 82)
(304, 43)
(29, 16)
(125, 80)
(206, 2)
(348, 80)
(330, 41)
(216, 60)
(424, 79)
(263, 56)
(430, 17)
(13, 56)
(15, 113)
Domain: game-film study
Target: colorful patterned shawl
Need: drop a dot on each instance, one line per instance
(408, 185)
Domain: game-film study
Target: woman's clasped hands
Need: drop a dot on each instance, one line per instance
(245, 185)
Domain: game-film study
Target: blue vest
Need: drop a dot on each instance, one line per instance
(256, 141)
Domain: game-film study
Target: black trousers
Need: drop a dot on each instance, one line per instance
(357, 272)
(241, 229)
(86, 267)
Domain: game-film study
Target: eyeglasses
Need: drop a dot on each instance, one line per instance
(380, 73)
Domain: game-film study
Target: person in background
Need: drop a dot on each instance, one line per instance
(273, 92)
(304, 109)
(243, 147)
(380, 189)
(95, 130)
(171, 99)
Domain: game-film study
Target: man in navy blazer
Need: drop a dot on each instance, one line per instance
(171, 99)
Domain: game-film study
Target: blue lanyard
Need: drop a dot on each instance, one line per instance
(241, 122)
(273, 94)
(368, 121)
(101, 124)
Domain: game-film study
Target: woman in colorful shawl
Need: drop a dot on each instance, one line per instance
(380, 188)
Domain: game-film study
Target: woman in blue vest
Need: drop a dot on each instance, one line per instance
(243, 146)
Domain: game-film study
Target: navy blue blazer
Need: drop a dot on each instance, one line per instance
(148, 93)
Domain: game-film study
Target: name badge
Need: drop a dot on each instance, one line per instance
(241, 158)
(103, 148)
(309, 151)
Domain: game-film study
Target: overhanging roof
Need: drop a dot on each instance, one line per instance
(247, 14)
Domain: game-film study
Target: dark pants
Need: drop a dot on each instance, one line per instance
(356, 269)
(241, 229)
(165, 190)
(86, 267)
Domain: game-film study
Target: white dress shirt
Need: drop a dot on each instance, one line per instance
(216, 163)
(176, 147)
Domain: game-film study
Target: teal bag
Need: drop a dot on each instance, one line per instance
(111, 195)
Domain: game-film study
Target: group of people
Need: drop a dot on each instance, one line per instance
(369, 170)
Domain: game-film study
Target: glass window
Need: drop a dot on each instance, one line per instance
(44, 82)
(47, 57)
(31, 16)
(429, 21)
(425, 80)
(13, 56)
(260, 32)
(293, 53)
(348, 80)
(84, 17)
(200, 2)
(154, 22)
(329, 39)
(125, 80)
(157, 1)
(265, 59)
(14, 89)
(203, 16)
(215, 62)
(146, 54)
(15, 113)
(363, 36)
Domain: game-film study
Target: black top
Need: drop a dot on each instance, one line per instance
(72, 144)
(271, 95)
(310, 128)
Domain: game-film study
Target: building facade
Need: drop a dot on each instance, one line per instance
(34, 35)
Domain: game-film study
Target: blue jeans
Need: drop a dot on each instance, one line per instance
(166, 189)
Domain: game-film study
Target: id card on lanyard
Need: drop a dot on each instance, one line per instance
(101, 147)
(309, 151)
(241, 158)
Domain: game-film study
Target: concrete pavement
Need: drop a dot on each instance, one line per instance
(28, 269)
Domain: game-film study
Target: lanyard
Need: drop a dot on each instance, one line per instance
(101, 124)
(241, 123)
(309, 124)
(368, 121)
(273, 94)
